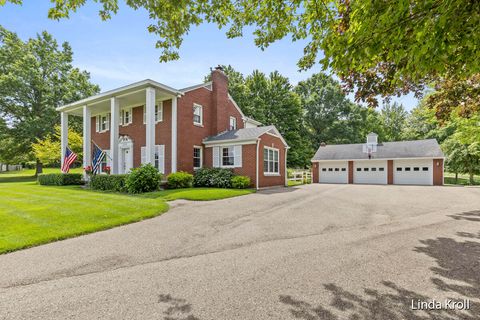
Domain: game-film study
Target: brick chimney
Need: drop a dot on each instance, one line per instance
(220, 100)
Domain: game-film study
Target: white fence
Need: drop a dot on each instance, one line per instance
(303, 176)
(10, 167)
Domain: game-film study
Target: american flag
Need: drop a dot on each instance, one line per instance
(69, 158)
(98, 155)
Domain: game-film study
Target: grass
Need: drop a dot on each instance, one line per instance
(294, 183)
(197, 194)
(463, 179)
(31, 214)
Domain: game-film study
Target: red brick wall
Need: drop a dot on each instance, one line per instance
(389, 171)
(101, 139)
(315, 173)
(274, 142)
(438, 172)
(350, 172)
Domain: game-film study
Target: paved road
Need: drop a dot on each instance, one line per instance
(312, 252)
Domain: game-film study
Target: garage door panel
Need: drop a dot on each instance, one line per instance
(333, 172)
(413, 171)
(370, 172)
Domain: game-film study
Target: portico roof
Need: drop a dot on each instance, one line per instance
(121, 92)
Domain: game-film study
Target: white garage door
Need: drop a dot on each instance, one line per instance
(370, 171)
(414, 171)
(333, 172)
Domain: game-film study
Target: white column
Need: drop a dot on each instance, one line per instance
(64, 135)
(174, 134)
(87, 150)
(150, 126)
(114, 122)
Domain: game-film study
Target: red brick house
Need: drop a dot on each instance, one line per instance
(178, 130)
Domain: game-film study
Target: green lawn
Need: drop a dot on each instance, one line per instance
(31, 214)
(463, 179)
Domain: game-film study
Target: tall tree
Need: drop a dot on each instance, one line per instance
(393, 117)
(48, 148)
(377, 47)
(36, 76)
(329, 115)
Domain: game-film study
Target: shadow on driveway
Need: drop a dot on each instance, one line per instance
(457, 271)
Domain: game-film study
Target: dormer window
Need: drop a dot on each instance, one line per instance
(372, 138)
(233, 123)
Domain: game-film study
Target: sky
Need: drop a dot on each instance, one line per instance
(120, 51)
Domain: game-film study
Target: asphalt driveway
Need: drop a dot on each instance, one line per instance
(311, 252)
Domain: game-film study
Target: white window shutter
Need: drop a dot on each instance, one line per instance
(237, 150)
(97, 123)
(107, 155)
(130, 115)
(160, 150)
(216, 157)
(143, 155)
(108, 122)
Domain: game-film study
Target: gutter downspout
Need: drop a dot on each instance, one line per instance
(256, 161)
(286, 178)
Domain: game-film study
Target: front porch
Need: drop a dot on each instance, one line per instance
(113, 103)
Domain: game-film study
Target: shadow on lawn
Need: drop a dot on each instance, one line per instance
(176, 308)
(457, 271)
(15, 178)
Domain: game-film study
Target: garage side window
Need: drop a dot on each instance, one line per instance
(270, 161)
(359, 169)
(399, 168)
(425, 169)
(324, 169)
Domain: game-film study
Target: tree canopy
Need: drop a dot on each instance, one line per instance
(36, 76)
(376, 47)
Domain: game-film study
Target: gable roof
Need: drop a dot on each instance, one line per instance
(244, 134)
(428, 148)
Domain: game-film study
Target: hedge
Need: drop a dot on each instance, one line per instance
(145, 178)
(179, 180)
(59, 179)
(240, 182)
(213, 177)
(109, 182)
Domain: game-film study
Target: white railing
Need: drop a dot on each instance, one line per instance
(303, 176)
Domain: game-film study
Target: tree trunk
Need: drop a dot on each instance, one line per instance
(456, 177)
(38, 168)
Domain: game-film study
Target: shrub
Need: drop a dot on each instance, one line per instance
(213, 177)
(109, 182)
(59, 179)
(145, 178)
(240, 182)
(179, 180)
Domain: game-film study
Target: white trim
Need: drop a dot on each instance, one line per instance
(201, 157)
(174, 135)
(206, 85)
(236, 105)
(271, 173)
(114, 131)
(197, 105)
(377, 159)
(228, 143)
(252, 121)
(128, 89)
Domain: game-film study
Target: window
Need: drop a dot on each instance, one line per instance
(126, 116)
(365, 169)
(228, 156)
(344, 169)
(359, 169)
(416, 169)
(270, 161)
(233, 123)
(158, 157)
(324, 169)
(197, 114)
(374, 169)
(103, 122)
(330, 169)
(337, 169)
(399, 168)
(425, 169)
(407, 168)
(197, 157)
(159, 112)
(381, 169)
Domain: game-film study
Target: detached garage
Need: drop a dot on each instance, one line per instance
(417, 162)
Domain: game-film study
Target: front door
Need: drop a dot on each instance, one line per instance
(125, 163)
(125, 154)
